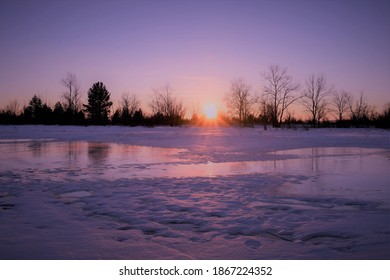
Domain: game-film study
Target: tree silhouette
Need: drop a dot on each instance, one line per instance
(383, 119)
(340, 101)
(138, 117)
(37, 112)
(166, 108)
(72, 95)
(359, 111)
(130, 104)
(71, 98)
(240, 100)
(279, 91)
(315, 97)
(59, 113)
(11, 113)
(99, 104)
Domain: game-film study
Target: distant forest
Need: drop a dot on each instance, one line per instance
(326, 106)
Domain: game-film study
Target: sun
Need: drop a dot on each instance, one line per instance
(210, 111)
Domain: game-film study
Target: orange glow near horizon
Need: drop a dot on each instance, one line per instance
(210, 111)
(210, 115)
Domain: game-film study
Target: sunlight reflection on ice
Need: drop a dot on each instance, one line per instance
(112, 161)
(59, 161)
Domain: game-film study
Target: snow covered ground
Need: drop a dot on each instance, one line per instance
(193, 193)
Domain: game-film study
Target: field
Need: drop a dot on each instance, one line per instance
(193, 193)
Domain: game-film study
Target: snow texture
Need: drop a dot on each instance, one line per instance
(193, 193)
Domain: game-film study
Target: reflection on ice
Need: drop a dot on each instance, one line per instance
(331, 170)
(55, 160)
(98, 153)
(112, 161)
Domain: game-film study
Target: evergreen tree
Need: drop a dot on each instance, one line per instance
(99, 104)
(138, 118)
(37, 112)
(116, 117)
(59, 113)
(35, 106)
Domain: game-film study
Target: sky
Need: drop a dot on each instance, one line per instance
(198, 47)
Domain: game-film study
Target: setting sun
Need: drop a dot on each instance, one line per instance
(210, 111)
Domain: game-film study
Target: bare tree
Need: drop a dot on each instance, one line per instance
(166, 104)
(129, 105)
(315, 97)
(240, 100)
(360, 111)
(12, 108)
(265, 112)
(279, 92)
(340, 102)
(72, 95)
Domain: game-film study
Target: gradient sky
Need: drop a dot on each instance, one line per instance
(197, 46)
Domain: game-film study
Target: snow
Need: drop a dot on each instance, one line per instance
(193, 193)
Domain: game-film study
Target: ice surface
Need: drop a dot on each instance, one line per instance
(193, 193)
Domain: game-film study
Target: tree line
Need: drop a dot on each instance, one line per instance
(166, 108)
(319, 99)
(325, 105)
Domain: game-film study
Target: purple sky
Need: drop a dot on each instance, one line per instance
(196, 46)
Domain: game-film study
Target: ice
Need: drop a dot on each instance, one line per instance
(193, 193)
(253, 244)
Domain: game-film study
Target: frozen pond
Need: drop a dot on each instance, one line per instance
(51, 159)
(63, 160)
(61, 199)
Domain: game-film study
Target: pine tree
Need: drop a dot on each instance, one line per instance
(99, 104)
